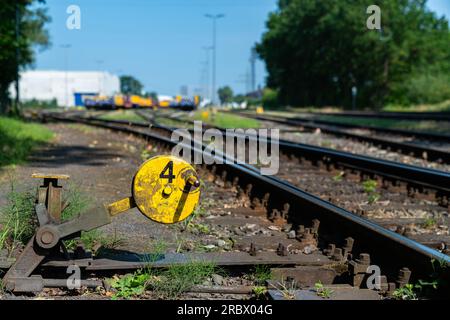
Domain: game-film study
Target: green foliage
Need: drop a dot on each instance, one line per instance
(405, 293)
(259, 292)
(370, 186)
(77, 201)
(39, 104)
(227, 120)
(18, 139)
(338, 177)
(429, 223)
(261, 274)
(32, 20)
(17, 219)
(225, 94)
(130, 85)
(169, 283)
(322, 291)
(425, 88)
(317, 50)
(128, 115)
(270, 99)
(373, 197)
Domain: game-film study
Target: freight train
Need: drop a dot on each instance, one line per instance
(135, 101)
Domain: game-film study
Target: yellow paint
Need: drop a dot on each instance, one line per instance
(158, 198)
(50, 176)
(205, 115)
(120, 206)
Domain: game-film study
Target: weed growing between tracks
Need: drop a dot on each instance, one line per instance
(164, 284)
(128, 115)
(226, 120)
(18, 139)
(18, 220)
(370, 187)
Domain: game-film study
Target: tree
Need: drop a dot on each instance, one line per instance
(225, 94)
(130, 85)
(317, 50)
(22, 29)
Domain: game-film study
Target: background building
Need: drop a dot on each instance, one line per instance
(67, 88)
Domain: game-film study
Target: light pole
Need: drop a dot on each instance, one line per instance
(66, 65)
(214, 18)
(207, 63)
(102, 82)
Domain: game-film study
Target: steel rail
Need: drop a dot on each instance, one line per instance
(436, 116)
(387, 249)
(417, 151)
(416, 177)
(316, 124)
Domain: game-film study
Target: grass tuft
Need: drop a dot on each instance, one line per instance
(165, 284)
(18, 139)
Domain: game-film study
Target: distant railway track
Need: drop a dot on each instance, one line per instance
(387, 249)
(435, 116)
(416, 150)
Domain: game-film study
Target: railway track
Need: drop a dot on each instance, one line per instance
(418, 150)
(395, 209)
(349, 241)
(435, 116)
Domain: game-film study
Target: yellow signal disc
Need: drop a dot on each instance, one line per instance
(166, 189)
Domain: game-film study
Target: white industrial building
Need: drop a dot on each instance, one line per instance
(68, 87)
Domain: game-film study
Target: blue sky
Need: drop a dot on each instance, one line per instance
(160, 41)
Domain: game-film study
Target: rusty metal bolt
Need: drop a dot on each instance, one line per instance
(315, 226)
(348, 247)
(248, 189)
(300, 229)
(364, 258)
(224, 175)
(403, 277)
(337, 255)
(282, 250)
(252, 251)
(285, 210)
(265, 199)
(330, 250)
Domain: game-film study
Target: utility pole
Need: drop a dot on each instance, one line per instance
(253, 58)
(214, 18)
(102, 84)
(66, 66)
(16, 107)
(207, 72)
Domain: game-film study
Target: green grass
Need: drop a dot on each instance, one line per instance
(261, 274)
(128, 115)
(18, 139)
(165, 284)
(18, 220)
(227, 120)
(168, 122)
(422, 125)
(436, 107)
(322, 291)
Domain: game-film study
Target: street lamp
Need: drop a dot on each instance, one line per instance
(207, 63)
(66, 65)
(214, 18)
